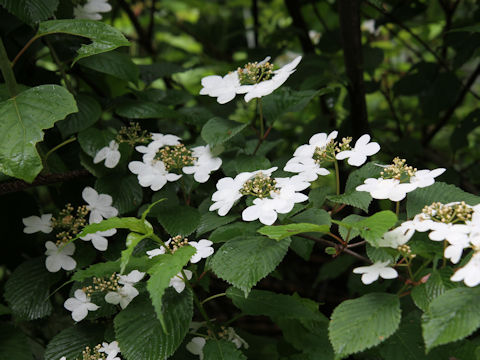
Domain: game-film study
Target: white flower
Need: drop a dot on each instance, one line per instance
(454, 251)
(92, 9)
(223, 88)
(266, 87)
(178, 283)
(100, 205)
(262, 209)
(35, 224)
(236, 339)
(398, 236)
(204, 164)
(306, 167)
(204, 250)
(319, 140)
(289, 194)
(228, 191)
(372, 272)
(122, 296)
(111, 349)
(98, 239)
(132, 278)
(453, 233)
(63, 358)
(422, 222)
(386, 188)
(358, 154)
(195, 346)
(79, 305)
(152, 173)
(110, 154)
(470, 273)
(155, 252)
(58, 257)
(158, 141)
(424, 178)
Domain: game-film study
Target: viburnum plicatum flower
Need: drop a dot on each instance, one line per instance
(265, 210)
(92, 9)
(228, 191)
(159, 251)
(35, 224)
(178, 283)
(98, 239)
(236, 339)
(196, 345)
(398, 236)
(158, 141)
(203, 164)
(100, 205)
(79, 305)
(223, 88)
(319, 140)
(59, 257)
(123, 296)
(358, 154)
(424, 178)
(373, 272)
(386, 188)
(470, 273)
(203, 250)
(307, 167)
(111, 350)
(152, 173)
(110, 154)
(132, 278)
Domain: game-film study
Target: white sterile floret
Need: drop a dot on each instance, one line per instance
(398, 236)
(236, 339)
(453, 233)
(98, 239)
(122, 296)
(386, 188)
(422, 222)
(228, 191)
(203, 250)
(373, 272)
(59, 257)
(319, 140)
(266, 87)
(110, 154)
(111, 350)
(454, 251)
(223, 88)
(196, 345)
(178, 283)
(100, 205)
(265, 210)
(288, 194)
(132, 278)
(152, 173)
(63, 358)
(79, 305)
(203, 164)
(424, 178)
(159, 251)
(35, 224)
(158, 141)
(92, 9)
(470, 273)
(358, 154)
(307, 167)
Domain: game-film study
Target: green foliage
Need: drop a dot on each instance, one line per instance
(139, 109)
(358, 199)
(217, 130)
(437, 283)
(24, 118)
(125, 191)
(175, 225)
(243, 261)
(112, 63)
(280, 232)
(211, 221)
(222, 350)
(227, 232)
(12, 343)
(130, 223)
(89, 111)
(361, 323)
(31, 11)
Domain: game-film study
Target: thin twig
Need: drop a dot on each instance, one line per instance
(336, 246)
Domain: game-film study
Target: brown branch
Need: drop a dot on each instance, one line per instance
(19, 185)
(142, 35)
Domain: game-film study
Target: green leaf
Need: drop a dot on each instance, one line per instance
(23, 119)
(358, 199)
(347, 230)
(451, 316)
(126, 192)
(139, 333)
(113, 63)
(251, 163)
(313, 216)
(92, 140)
(438, 192)
(210, 221)
(280, 232)
(169, 265)
(99, 270)
(89, 111)
(132, 240)
(361, 323)
(357, 177)
(130, 223)
(31, 11)
(152, 72)
(139, 109)
(261, 302)
(222, 350)
(185, 224)
(72, 341)
(243, 261)
(438, 282)
(27, 290)
(104, 37)
(217, 130)
(12, 343)
(227, 232)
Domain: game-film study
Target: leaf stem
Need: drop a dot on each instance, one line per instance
(199, 304)
(27, 45)
(260, 113)
(7, 71)
(397, 208)
(213, 297)
(337, 176)
(60, 65)
(68, 141)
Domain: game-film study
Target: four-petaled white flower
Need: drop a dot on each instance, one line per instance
(152, 173)
(372, 272)
(158, 141)
(110, 154)
(358, 154)
(320, 140)
(178, 283)
(79, 305)
(223, 88)
(196, 345)
(306, 167)
(424, 178)
(204, 249)
(59, 257)
(398, 236)
(228, 191)
(265, 210)
(100, 205)
(111, 350)
(470, 273)
(132, 278)
(204, 164)
(35, 224)
(386, 188)
(92, 9)
(122, 296)
(98, 239)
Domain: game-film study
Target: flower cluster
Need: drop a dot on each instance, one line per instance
(164, 159)
(91, 9)
(103, 351)
(272, 196)
(255, 80)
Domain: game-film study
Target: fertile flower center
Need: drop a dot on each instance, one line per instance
(93, 354)
(327, 152)
(260, 186)
(175, 157)
(133, 135)
(253, 73)
(102, 284)
(177, 242)
(399, 170)
(455, 213)
(68, 224)
(406, 251)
